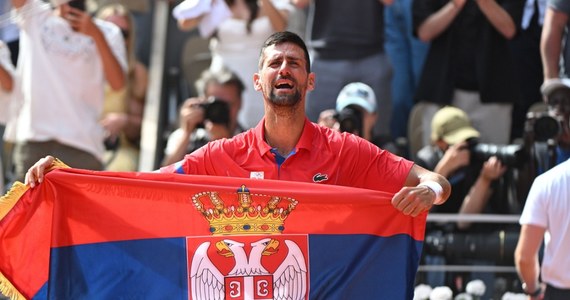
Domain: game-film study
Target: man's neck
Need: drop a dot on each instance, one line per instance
(283, 133)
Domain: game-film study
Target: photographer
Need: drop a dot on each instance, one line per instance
(211, 116)
(473, 180)
(550, 132)
(479, 185)
(355, 111)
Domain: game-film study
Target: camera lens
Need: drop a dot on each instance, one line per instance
(493, 245)
(545, 128)
(350, 120)
(217, 111)
(510, 155)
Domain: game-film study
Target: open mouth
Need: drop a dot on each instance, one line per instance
(283, 84)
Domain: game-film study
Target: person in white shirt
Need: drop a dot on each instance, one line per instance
(6, 80)
(6, 87)
(545, 217)
(65, 59)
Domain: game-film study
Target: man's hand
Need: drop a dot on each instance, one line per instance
(492, 169)
(191, 114)
(327, 119)
(455, 157)
(114, 123)
(35, 174)
(414, 200)
(81, 22)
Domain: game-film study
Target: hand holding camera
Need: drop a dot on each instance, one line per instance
(455, 157)
(492, 169)
(210, 113)
(191, 114)
(79, 20)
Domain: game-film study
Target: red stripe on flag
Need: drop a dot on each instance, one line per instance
(93, 205)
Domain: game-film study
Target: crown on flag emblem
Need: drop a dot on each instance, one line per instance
(267, 217)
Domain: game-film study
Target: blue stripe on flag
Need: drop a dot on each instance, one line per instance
(341, 267)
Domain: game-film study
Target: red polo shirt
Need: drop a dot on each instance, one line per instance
(321, 156)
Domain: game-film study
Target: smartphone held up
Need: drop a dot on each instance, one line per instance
(77, 4)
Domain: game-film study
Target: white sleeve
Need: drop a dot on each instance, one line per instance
(115, 41)
(34, 11)
(5, 96)
(283, 5)
(535, 210)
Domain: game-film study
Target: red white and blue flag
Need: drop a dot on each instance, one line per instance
(101, 235)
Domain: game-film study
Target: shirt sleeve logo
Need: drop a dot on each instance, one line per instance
(320, 177)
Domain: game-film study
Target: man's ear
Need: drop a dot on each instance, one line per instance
(256, 82)
(311, 82)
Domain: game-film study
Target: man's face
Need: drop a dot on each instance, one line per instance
(229, 93)
(283, 77)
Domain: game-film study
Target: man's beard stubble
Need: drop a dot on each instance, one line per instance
(288, 100)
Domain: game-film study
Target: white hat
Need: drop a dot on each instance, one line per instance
(57, 3)
(356, 93)
(551, 85)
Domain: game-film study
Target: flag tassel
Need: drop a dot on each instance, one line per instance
(6, 203)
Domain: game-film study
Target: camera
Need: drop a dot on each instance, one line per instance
(542, 126)
(350, 119)
(513, 155)
(216, 110)
(498, 246)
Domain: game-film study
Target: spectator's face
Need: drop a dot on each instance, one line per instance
(230, 94)
(283, 77)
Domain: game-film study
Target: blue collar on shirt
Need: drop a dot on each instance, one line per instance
(279, 159)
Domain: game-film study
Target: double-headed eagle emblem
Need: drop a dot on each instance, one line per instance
(249, 278)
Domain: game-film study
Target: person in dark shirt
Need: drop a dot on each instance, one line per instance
(469, 64)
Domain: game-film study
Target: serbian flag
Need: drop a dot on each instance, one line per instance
(106, 235)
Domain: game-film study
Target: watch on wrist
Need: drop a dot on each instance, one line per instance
(532, 293)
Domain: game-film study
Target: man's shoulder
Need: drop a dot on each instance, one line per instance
(243, 140)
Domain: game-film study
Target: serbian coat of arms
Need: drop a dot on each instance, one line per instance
(247, 257)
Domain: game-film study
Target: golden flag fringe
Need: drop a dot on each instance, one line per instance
(7, 202)
(11, 197)
(8, 290)
(18, 189)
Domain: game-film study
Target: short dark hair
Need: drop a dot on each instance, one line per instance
(222, 77)
(285, 37)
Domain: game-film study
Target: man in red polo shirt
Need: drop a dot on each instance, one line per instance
(285, 145)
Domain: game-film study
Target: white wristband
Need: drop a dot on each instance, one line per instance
(435, 187)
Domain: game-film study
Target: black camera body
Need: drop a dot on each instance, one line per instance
(541, 126)
(513, 155)
(350, 119)
(216, 110)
